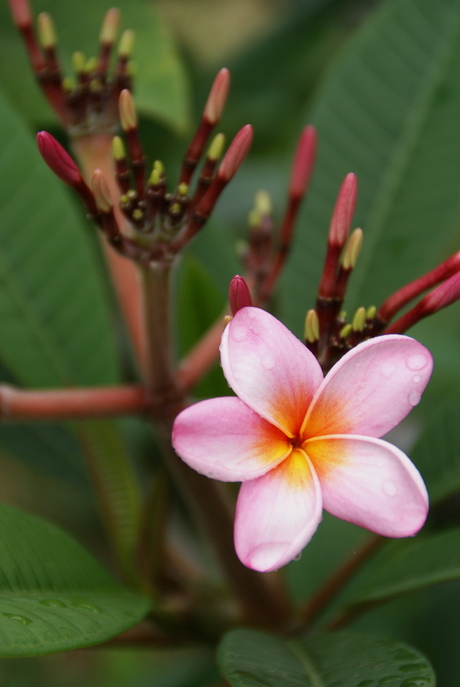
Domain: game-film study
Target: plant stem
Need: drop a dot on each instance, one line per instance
(71, 404)
(334, 585)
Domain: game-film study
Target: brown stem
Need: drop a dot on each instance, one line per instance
(71, 404)
(94, 152)
(334, 585)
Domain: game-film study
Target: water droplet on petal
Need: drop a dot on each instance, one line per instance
(268, 362)
(19, 618)
(416, 379)
(389, 488)
(387, 368)
(239, 333)
(298, 557)
(251, 314)
(416, 362)
(414, 397)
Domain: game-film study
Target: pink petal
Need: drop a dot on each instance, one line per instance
(371, 389)
(370, 483)
(224, 439)
(277, 514)
(269, 368)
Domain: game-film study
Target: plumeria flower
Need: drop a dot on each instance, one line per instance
(300, 442)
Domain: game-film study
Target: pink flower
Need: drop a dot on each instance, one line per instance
(300, 442)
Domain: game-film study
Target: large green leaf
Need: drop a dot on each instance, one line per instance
(254, 659)
(388, 112)
(436, 453)
(55, 597)
(56, 325)
(161, 89)
(406, 566)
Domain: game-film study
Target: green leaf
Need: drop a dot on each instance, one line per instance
(161, 88)
(55, 597)
(388, 112)
(254, 659)
(406, 566)
(56, 324)
(436, 452)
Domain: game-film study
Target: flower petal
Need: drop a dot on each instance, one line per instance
(369, 482)
(224, 439)
(371, 389)
(277, 514)
(269, 368)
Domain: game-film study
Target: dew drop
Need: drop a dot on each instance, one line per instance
(239, 333)
(298, 557)
(414, 397)
(416, 362)
(19, 618)
(55, 603)
(86, 606)
(387, 368)
(251, 314)
(268, 363)
(416, 379)
(389, 488)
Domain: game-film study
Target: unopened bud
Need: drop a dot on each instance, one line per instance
(58, 160)
(20, 11)
(443, 295)
(311, 327)
(126, 44)
(182, 189)
(304, 161)
(109, 26)
(263, 203)
(371, 312)
(359, 320)
(128, 117)
(352, 250)
(91, 65)
(343, 211)
(118, 148)
(78, 62)
(101, 191)
(217, 97)
(345, 331)
(45, 30)
(239, 295)
(68, 84)
(216, 148)
(236, 153)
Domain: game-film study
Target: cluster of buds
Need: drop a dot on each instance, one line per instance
(86, 103)
(328, 332)
(147, 223)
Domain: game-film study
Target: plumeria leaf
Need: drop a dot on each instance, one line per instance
(255, 659)
(405, 566)
(161, 89)
(388, 112)
(441, 439)
(55, 597)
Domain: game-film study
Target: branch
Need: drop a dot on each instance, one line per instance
(71, 404)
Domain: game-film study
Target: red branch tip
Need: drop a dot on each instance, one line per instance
(20, 11)
(304, 161)
(236, 153)
(343, 211)
(217, 97)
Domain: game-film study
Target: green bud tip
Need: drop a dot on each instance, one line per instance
(68, 84)
(345, 331)
(263, 203)
(175, 208)
(127, 112)
(216, 148)
(118, 148)
(138, 215)
(182, 189)
(46, 32)
(158, 165)
(343, 315)
(126, 44)
(154, 178)
(131, 194)
(352, 250)
(311, 327)
(254, 219)
(78, 62)
(109, 26)
(95, 86)
(371, 312)
(124, 200)
(91, 65)
(359, 320)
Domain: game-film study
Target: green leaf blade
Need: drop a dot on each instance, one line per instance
(253, 659)
(55, 597)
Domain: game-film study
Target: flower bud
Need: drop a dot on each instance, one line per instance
(239, 295)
